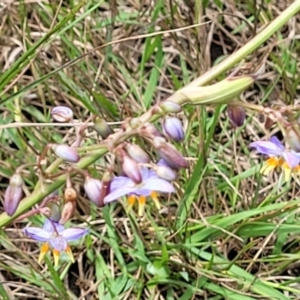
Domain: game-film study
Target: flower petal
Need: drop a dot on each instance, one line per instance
(291, 159)
(120, 182)
(37, 234)
(58, 243)
(117, 193)
(52, 227)
(147, 173)
(142, 192)
(276, 141)
(72, 234)
(267, 147)
(158, 185)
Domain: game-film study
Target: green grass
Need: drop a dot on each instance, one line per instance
(228, 232)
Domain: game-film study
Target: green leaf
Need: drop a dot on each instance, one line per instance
(191, 191)
(103, 103)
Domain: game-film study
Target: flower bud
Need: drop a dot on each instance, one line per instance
(165, 172)
(169, 154)
(55, 214)
(173, 128)
(170, 107)
(102, 127)
(151, 131)
(131, 168)
(62, 114)
(137, 153)
(65, 152)
(93, 190)
(13, 194)
(236, 115)
(70, 194)
(292, 137)
(135, 123)
(68, 212)
(269, 123)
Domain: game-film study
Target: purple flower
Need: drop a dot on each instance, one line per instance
(275, 148)
(279, 156)
(54, 235)
(150, 185)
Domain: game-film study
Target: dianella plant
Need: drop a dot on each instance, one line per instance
(136, 164)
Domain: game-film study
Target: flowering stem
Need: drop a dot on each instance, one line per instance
(41, 209)
(250, 106)
(38, 194)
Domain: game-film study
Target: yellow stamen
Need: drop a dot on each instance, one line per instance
(56, 257)
(142, 203)
(270, 165)
(70, 254)
(131, 201)
(44, 250)
(296, 169)
(287, 171)
(154, 197)
(280, 162)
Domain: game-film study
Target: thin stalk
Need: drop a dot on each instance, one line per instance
(204, 79)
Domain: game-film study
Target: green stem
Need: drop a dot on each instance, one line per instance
(212, 74)
(248, 48)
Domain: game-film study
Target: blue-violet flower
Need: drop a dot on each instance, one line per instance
(54, 235)
(150, 185)
(279, 156)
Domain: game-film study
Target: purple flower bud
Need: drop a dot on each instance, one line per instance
(93, 188)
(173, 128)
(102, 127)
(170, 107)
(13, 194)
(65, 152)
(292, 137)
(131, 168)
(62, 114)
(151, 131)
(137, 153)
(236, 115)
(165, 172)
(169, 154)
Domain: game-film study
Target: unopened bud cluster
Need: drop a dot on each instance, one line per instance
(155, 153)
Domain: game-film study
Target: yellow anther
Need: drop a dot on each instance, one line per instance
(142, 203)
(44, 250)
(56, 257)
